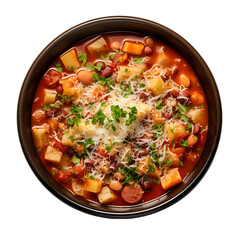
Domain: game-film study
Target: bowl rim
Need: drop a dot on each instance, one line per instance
(187, 189)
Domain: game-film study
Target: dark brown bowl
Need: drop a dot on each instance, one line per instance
(107, 25)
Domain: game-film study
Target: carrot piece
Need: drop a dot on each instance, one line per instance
(171, 179)
(133, 48)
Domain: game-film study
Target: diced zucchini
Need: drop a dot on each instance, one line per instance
(53, 155)
(171, 179)
(94, 186)
(133, 48)
(97, 46)
(70, 60)
(49, 96)
(156, 85)
(106, 195)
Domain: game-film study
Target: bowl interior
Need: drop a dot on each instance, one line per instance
(103, 26)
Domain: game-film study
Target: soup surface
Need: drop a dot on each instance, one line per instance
(119, 119)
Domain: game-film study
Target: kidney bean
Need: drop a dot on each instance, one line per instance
(52, 77)
(100, 62)
(143, 152)
(174, 71)
(196, 129)
(38, 116)
(174, 93)
(143, 96)
(147, 185)
(107, 72)
(183, 97)
(60, 88)
(89, 162)
(113, 167)
(167, 115)
(149, 42)
(148, 50)
(51, 112)
(58, 145)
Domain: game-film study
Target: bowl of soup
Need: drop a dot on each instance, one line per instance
(116, 117)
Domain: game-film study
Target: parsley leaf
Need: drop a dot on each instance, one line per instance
(184, 143)
(138, 60)
(76, 160)
(118, 112)
(131, 115)
(151, 168)
(82, 58)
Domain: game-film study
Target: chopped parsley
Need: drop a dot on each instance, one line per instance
(76, 160)
(45, 107)
(182, 108)
(115, 50)
(158, 104)
(138, 60)
(90, 105)
(118, 112)
(129, 158)
(53, 106)
(184, 143)
(126, 69)
(169, 163)
(103, 104)
(82, 57)
(99, 117)
(189, 126)
(132, 117)
(141, 85)
(58, 64)
(151, 168)
(71, 137)
(172, 130)
(92, 177)
(153, 154)
(130, 173)
(108, 148)
(159, 129)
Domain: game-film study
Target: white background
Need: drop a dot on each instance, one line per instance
(210, 211)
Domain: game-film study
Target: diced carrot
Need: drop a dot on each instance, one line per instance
(133, 48)
(171, 179)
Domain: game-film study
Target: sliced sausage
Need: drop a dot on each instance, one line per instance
(132, 195)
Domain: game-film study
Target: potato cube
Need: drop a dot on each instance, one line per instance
(88, 130)
(158, 117)
(143, 110)
(174, 130)
(53, 155)
(133, 48)
(171, 179)
(94, 186)
(197, 116)
(162, 59)
(49, 96)
(144, 165)
(129, 72)
(98, 46)
(40, 136)
(70, 60)
(156, 85)
(79, 189)
(106, 195)
(66, 141)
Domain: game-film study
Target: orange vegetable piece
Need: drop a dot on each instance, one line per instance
(133, 48)
(171, 179)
